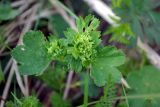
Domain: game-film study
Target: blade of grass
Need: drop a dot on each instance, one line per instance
(65, 8)
(18, 101)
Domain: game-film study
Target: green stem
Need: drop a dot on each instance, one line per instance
(77, 84)
(128, 97)
(18, 101)
(65, 8)
(125, 95)
(6, 46)
(85, 101)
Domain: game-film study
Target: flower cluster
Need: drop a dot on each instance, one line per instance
(55, 49)
(81, 44)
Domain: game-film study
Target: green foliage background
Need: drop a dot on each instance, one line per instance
(51, 50)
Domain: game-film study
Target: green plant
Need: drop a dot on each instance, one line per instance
(139, 17)
(121, 33)
(57, 101)
(109, 94)
(52, 58)
(79, 50)
(29, 101)
(144, 82)
(93, 90)
(54, 76)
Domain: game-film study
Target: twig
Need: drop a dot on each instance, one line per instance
(8, 65)
(2, 98)
(4, 54)
(17, 3)
(151, 54)
(103, 10)
(125, 83)
(19, 80)
(26, 4)
(68, 83)
(26, 85)
(40, 89)
(27, 12)
(44, 14)
(7, 86)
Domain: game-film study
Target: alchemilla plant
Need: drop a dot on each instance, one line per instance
(80, 49)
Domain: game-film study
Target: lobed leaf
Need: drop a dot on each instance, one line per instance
(105, 64)
(32, 54)
(143, 85)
